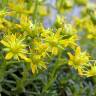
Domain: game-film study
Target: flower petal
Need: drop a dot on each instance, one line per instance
(5, 43)
(9, 56)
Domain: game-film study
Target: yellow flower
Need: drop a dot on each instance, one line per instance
(15, 47)
(72, 41)
(40, 48)
(37, 62)
(55, 42)
(3, 13)
(78, 59)
(80, 70)
(59, 21)
(55, 50)
(89, 28)
(89, 70)
(38, 56)
(25, 23)
(33, 67)
(19, 6)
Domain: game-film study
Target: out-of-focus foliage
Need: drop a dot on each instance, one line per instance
(37, 60)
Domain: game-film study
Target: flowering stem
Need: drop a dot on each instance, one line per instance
(53, 75)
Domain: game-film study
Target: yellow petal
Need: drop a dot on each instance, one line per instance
(33, 67)
(80, 71)
(23, 56)
(54, 50)
(90, 36)
(9, 55)
(71, 63)
(78, 50)
(5, 43)
(71, 56)
(64, 43)
(24, 19)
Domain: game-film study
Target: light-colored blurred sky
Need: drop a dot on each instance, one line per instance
(48, 20)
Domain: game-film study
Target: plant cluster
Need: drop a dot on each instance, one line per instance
(32, 57)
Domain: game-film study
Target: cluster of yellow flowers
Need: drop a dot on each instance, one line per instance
(20, 6)
(87, 22)
(82, 63)
(66, 5)
(31, 42)
(42, 43)
(88, 26)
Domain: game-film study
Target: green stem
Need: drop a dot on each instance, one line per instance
(53, 75)
(52, 78)
(35, 11)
